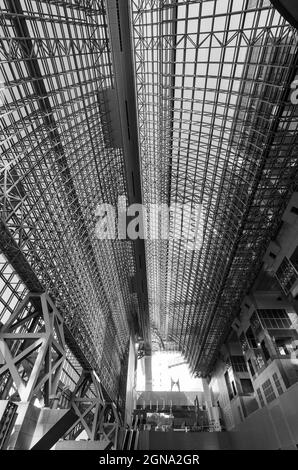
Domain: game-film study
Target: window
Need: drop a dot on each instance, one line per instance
(246, 386)
(274, 318)
(260, 396)
(238, 364)
(268, 391)
(277, 383)
(287, 273)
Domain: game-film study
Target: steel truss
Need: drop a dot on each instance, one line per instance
(32, 357)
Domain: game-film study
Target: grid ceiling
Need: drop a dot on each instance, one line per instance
(216, 128)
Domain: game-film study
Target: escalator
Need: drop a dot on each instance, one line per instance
(7, 421)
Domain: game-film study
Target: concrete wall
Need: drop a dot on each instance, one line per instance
(3, 404)
(286, 240)
(148, 373)
(219, 393)
(130, 402)
(25, 426)
(176, 440)
(272, 427)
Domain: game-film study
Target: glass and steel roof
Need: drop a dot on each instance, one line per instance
(217, 128)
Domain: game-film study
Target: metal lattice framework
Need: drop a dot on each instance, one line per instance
(98, 418)
(55, 168)
(32, 350)
(217, 128)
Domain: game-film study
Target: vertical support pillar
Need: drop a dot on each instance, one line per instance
(213, 411)
(148, 373)
(130, 402)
